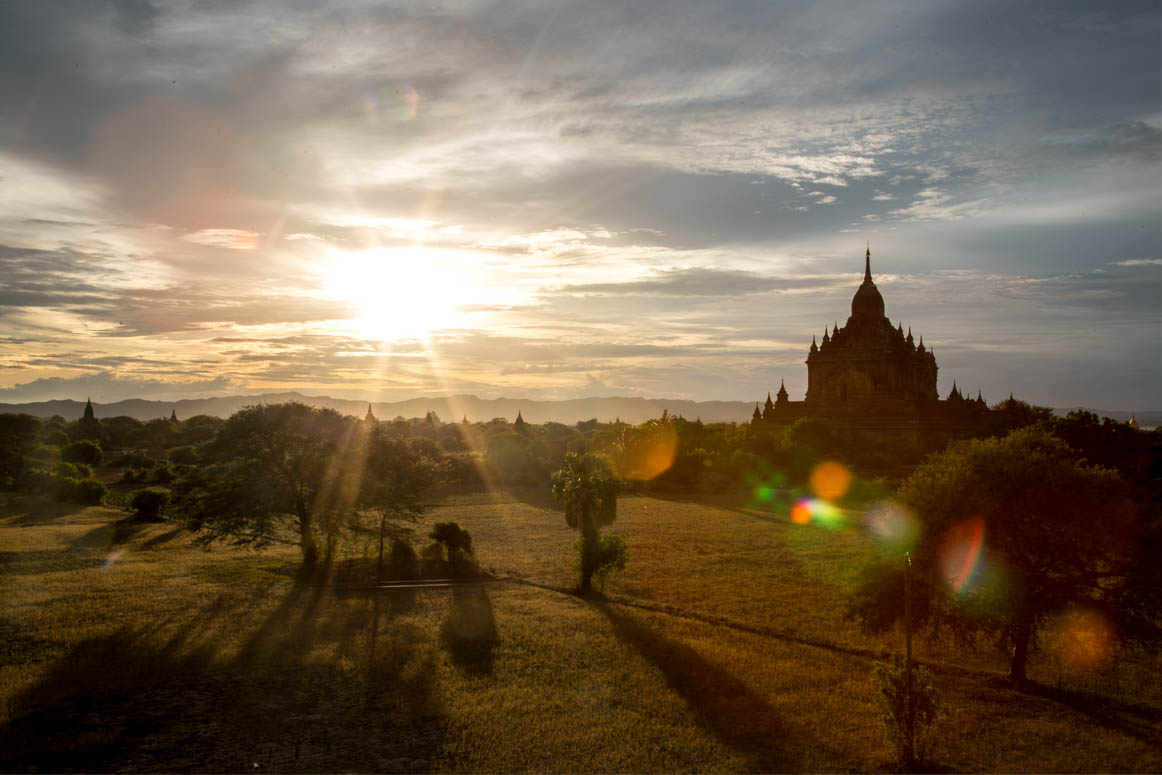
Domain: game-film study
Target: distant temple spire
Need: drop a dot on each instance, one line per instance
(173, 415)
(88, 409)
(370, 416)
(867, 265)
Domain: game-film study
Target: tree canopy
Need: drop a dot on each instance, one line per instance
(1015, 529)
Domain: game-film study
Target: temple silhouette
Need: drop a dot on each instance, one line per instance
(873, 383)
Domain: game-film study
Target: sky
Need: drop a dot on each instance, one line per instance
(563, 199)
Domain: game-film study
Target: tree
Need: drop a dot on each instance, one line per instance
(84, 451)
(19, 438)
(271, 465)
(148, 504)
(397, 476)
(1062, 530)
(588, 491)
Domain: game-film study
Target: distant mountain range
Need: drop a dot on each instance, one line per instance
(454, 408)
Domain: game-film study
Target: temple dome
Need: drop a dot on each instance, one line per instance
(867, 302)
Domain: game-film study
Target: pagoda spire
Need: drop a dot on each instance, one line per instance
(88, 409)
(867, 265)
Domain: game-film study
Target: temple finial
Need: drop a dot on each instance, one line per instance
(867, 265)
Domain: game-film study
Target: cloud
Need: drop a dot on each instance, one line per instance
(106, 386)
(232, 239)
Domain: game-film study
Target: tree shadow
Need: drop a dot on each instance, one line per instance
(469, 633)
(736, 715)
(1138, 720)
(163, 538)
(28, 510)
(109, 535)
(298, 692)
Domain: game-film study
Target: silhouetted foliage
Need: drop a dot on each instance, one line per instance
(84, 451)
(397, 475)
(150, 503)
(270, 465)
(19, 438)
(451, 550)
(910, 707)
(1063, 531)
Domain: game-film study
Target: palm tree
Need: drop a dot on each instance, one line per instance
(588, 491)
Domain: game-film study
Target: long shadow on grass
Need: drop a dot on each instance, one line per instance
(469, 632)
(235, 684)
(736, 715)
(1140, 721)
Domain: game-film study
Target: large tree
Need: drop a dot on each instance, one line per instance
(587, 490)
(396, 477)
(19, 438)
(1059, 531)
(274, 465)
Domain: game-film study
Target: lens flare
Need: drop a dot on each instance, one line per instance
(893, 525)
(401, 103)
(1084, 640)
(820, 511)
(960, 553)
(801, 512)
(651, 455)
(830, 481)
(111, 558)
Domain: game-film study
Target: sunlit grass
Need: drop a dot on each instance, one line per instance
(174, 658)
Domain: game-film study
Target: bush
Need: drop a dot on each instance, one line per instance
(86, 491)
(73, 471)
(184, 455)
(56, 438)
(450, 552)
(83, 451)
(134, 459)
(402, 560)
(149, 503)
(36, 480)
(131, 476)
(910, 706)
(612, 555)
(162, 474)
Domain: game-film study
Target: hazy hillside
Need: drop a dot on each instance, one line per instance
(451, 408)
(454, 408)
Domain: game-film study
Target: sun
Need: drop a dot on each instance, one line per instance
(398, 293)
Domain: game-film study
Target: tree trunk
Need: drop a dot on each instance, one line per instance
(1021, 639)
(307, 538)
(379, 562)
(590, 543)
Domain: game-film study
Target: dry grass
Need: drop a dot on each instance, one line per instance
(722, 648)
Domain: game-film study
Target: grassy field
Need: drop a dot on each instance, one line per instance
(722, 648)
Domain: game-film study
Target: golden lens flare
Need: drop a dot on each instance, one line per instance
(830, 481)
(1084, 640)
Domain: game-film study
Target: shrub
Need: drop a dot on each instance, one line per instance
(73, 471)
(451, 550)
(910, 706)
(36, 480)
(184, 455)
(131, 476)
(87, 491)
(83, 451)
(162, 474)
(612, 554)
(149, 503)
(134, 459)
(56, 438)
(402, 560)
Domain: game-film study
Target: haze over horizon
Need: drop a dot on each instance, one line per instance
(556, 200)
